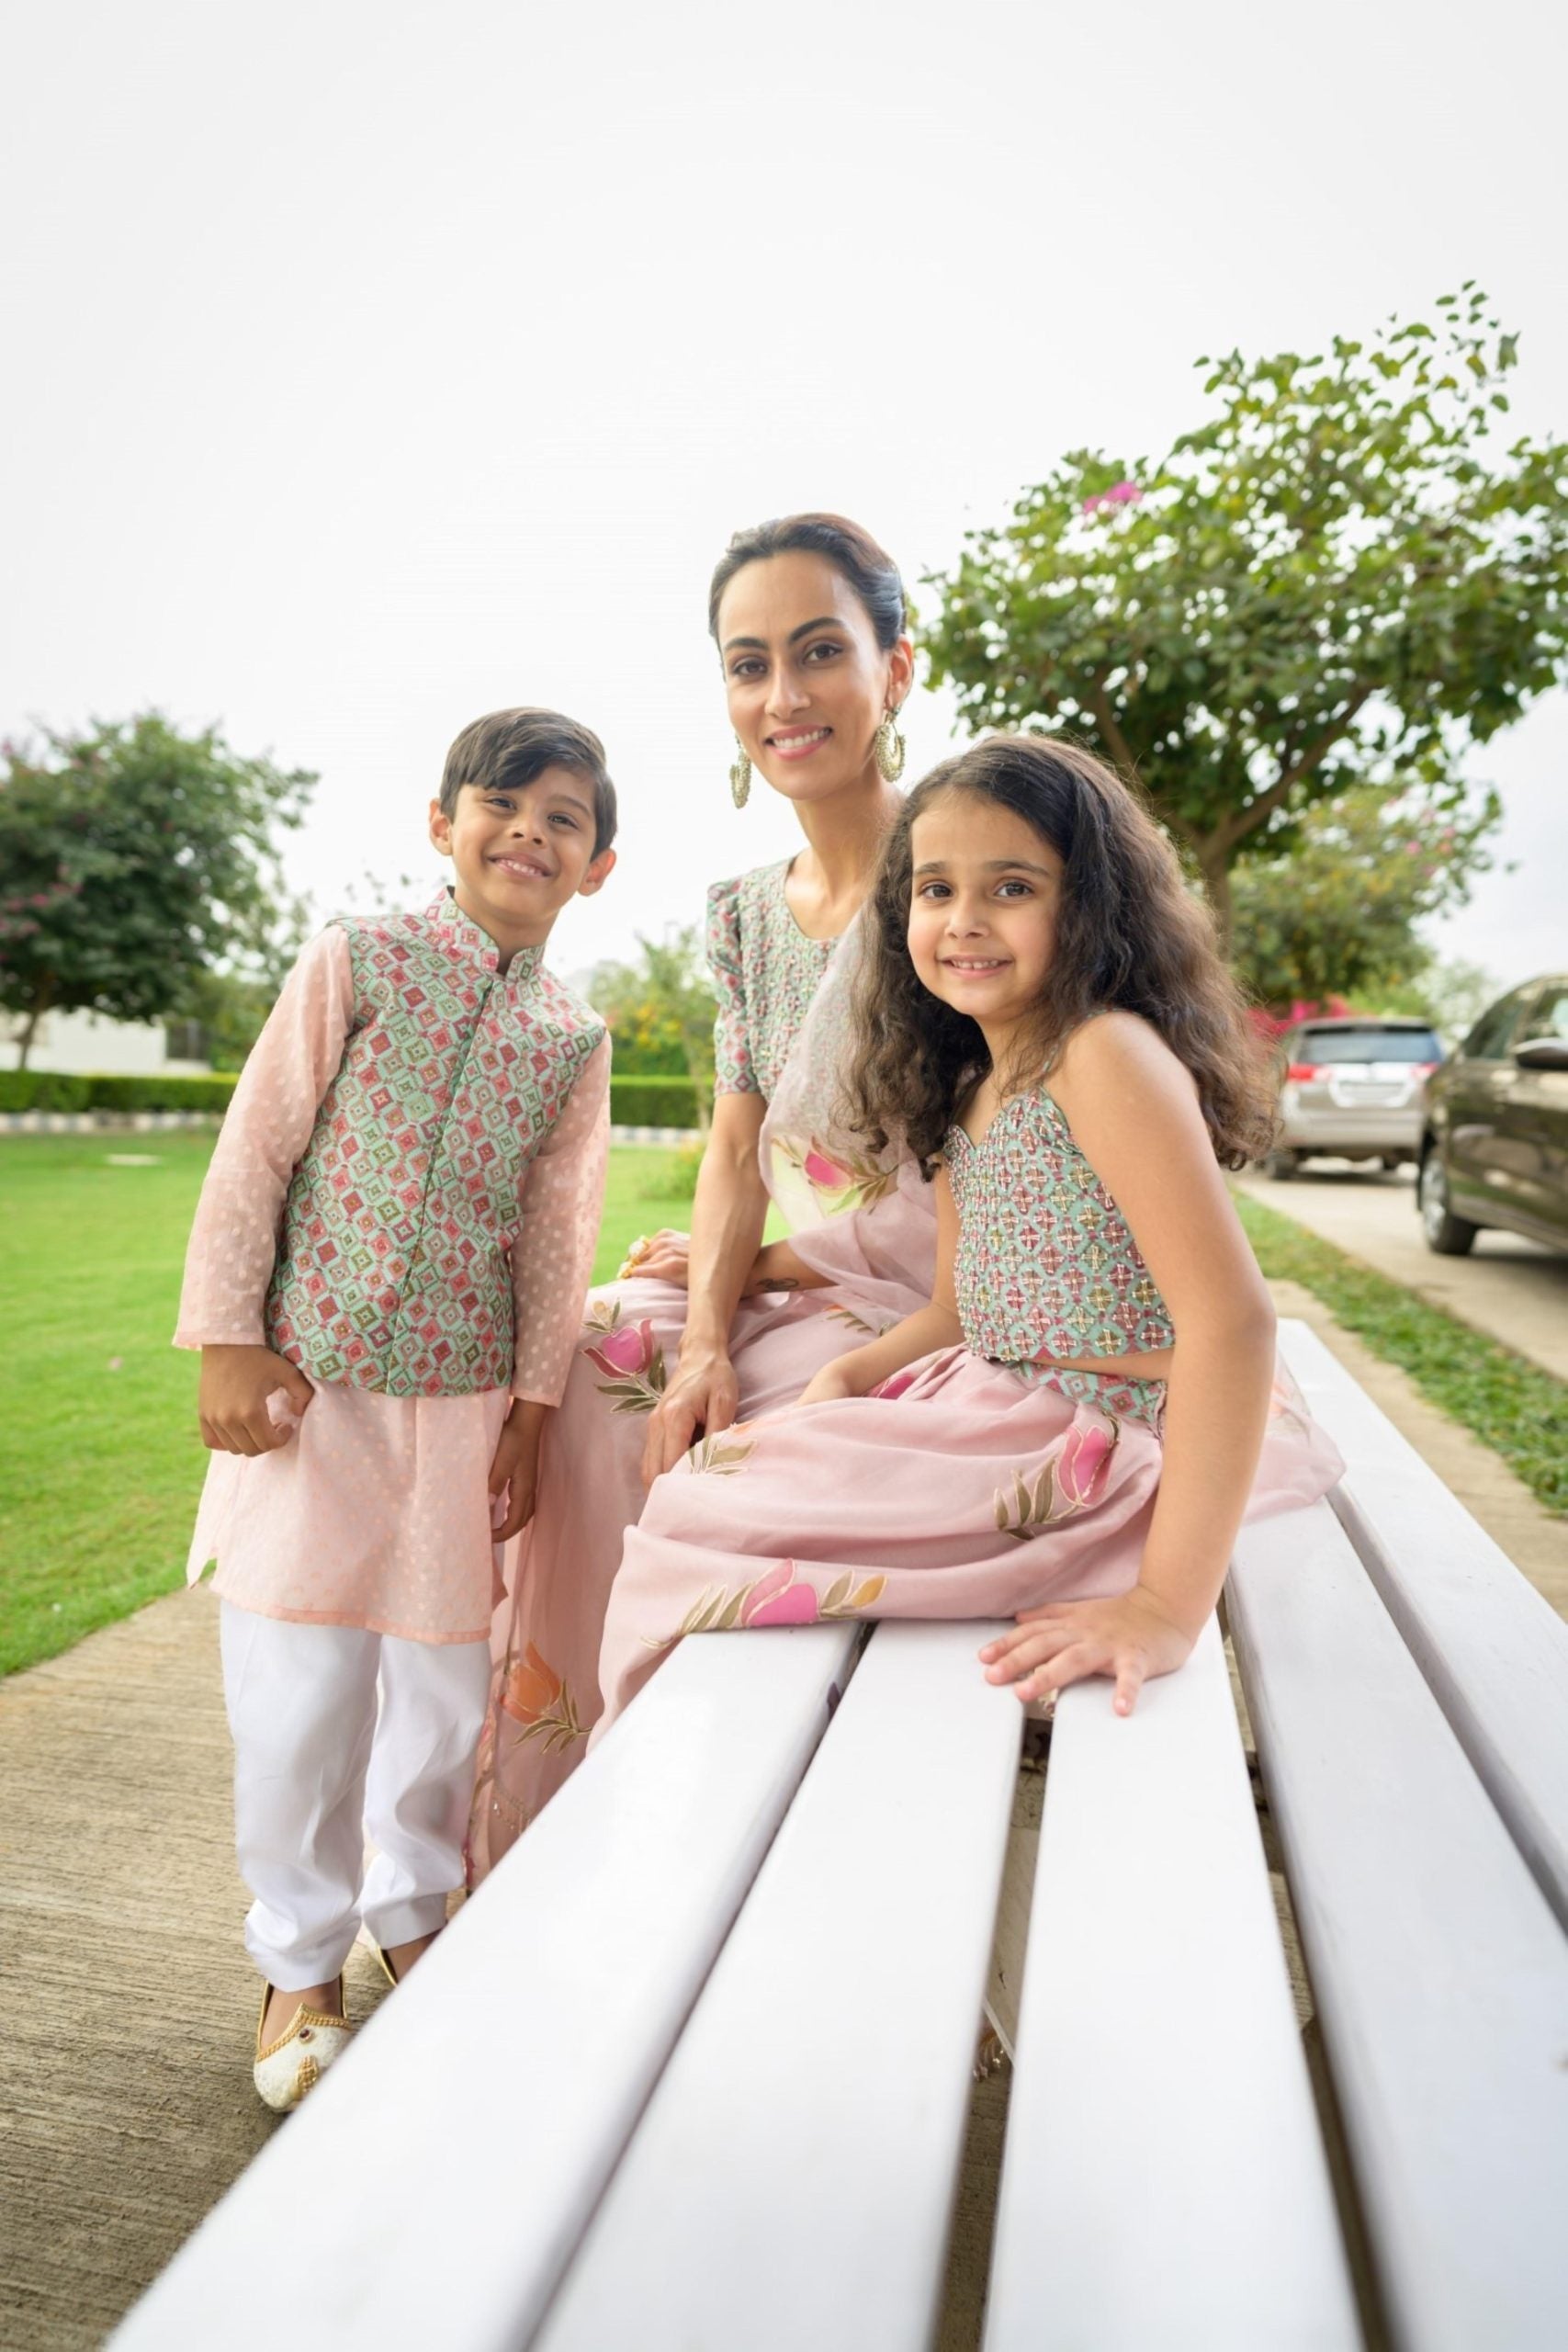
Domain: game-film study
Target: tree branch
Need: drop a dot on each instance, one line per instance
(1257, 812)
(1105, 719)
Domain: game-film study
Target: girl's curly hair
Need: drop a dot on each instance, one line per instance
(1129, 934)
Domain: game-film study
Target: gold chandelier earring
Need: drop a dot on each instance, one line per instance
(740, 775)
(889, 747)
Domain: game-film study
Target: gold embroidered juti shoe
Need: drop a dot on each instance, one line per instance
(285, 2069)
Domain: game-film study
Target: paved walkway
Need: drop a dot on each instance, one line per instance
(1507, 1287)
(126, 2107)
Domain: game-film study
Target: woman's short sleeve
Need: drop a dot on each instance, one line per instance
(734, 1072)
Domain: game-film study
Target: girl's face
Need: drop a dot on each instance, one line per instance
(982, 905)
(806, 681)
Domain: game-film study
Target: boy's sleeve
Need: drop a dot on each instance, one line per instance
(266, 1130)
(552, 1258)
(732, 1071)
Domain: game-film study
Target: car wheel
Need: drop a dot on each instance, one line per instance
(1450, 1236)
(1281, 1165)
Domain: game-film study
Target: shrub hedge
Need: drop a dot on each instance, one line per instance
(639, 1102)
(49, 1090)
(635, 1101)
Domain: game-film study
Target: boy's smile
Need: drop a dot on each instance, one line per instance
(521, 852)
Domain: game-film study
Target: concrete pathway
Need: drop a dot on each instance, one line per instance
(125, 2107)
(1507, 1287)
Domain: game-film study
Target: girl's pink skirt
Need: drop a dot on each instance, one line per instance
(963, 1490)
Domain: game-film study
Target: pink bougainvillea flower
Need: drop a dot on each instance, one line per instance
(776, 1600)
(1121, 494)
(825, 1174)
(625, 1352)
(1083, 1464)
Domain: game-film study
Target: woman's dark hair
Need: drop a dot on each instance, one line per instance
(1129, 934)
(510, 748)
(869, 569)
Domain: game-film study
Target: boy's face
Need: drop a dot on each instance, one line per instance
(521, 852)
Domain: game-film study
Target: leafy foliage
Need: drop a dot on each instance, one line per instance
(660, 1010)
(1335, 914)
(136, 859)
(1333, 581)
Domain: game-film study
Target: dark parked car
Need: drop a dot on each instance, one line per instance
(1494, 1149)
(1352, 1086)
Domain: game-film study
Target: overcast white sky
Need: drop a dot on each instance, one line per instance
(373, 366)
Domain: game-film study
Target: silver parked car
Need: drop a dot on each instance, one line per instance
(1353, 1088)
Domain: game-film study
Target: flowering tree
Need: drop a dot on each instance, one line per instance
(1333, 581)
(134, 859)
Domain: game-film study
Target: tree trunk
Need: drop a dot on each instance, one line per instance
(35, 1012)
(1215, 869)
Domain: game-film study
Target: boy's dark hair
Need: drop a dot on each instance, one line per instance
(869, 569)
(510, 748)
(1129, 934)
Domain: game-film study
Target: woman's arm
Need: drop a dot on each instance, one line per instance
(729, 1211)
(1134, 1111)
(921, 1334)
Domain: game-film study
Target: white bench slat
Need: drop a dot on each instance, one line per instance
(1439, 1972)
(792, 2182)
(1493, 1650)
(458, 2149)
(1164, 2179)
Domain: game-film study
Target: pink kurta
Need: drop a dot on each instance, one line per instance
(376, 1512)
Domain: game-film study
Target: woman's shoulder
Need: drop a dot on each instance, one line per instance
(759, 887)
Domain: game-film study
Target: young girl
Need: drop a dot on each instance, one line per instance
(1073, 1429)
(386, 1280)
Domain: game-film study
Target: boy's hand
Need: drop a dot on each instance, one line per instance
(232, 1400)
(1131, 1639)
(514, 1471)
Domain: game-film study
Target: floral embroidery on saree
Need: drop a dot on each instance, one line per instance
(533, 1695)
(1072, 1479)
(778, 1597)
(629, 1356)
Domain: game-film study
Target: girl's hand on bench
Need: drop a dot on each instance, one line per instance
(1129, 1639)
(236, 1403)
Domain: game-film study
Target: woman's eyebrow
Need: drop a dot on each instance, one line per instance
(759, 645)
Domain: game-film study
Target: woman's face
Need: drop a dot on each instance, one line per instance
(806, 681)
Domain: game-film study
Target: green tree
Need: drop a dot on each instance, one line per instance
(1336, 914)
(1333, 581)
(136, 860)
(660, 1010)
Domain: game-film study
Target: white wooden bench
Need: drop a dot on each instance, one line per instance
(693, 2070)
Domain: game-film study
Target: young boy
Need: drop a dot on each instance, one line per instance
(385, 1280)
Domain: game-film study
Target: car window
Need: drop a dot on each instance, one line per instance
(1369, 1044)
(1550, 1017)
(1488, 1041)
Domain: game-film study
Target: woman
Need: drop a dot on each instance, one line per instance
(809, 620)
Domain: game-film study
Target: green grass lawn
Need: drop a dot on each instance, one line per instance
(100, 1463)
(1513, 1406)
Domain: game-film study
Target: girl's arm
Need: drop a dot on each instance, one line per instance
(729, 1211)
(1134, 1110)
(552, 1265)
(920, 1334)
(234, 1239)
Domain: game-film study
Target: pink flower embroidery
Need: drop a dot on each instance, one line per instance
(825, 1174)
(1084, 1464)
(626, 1353)
(776, 1600)
(894, 1383)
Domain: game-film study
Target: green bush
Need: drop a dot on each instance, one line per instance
(41, 1090)
(50, 1090)
(653, 1101)
(210, 1092)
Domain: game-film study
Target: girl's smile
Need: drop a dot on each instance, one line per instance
(984, 896)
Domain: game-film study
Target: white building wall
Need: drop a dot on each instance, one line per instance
(89, 1043)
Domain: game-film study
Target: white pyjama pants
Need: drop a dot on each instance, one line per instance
(318, 1768)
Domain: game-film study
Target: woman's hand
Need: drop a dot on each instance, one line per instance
(658, 1257)
(233, 1399)
(516, 1468)
(705, 1395)
(1130, 1639)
